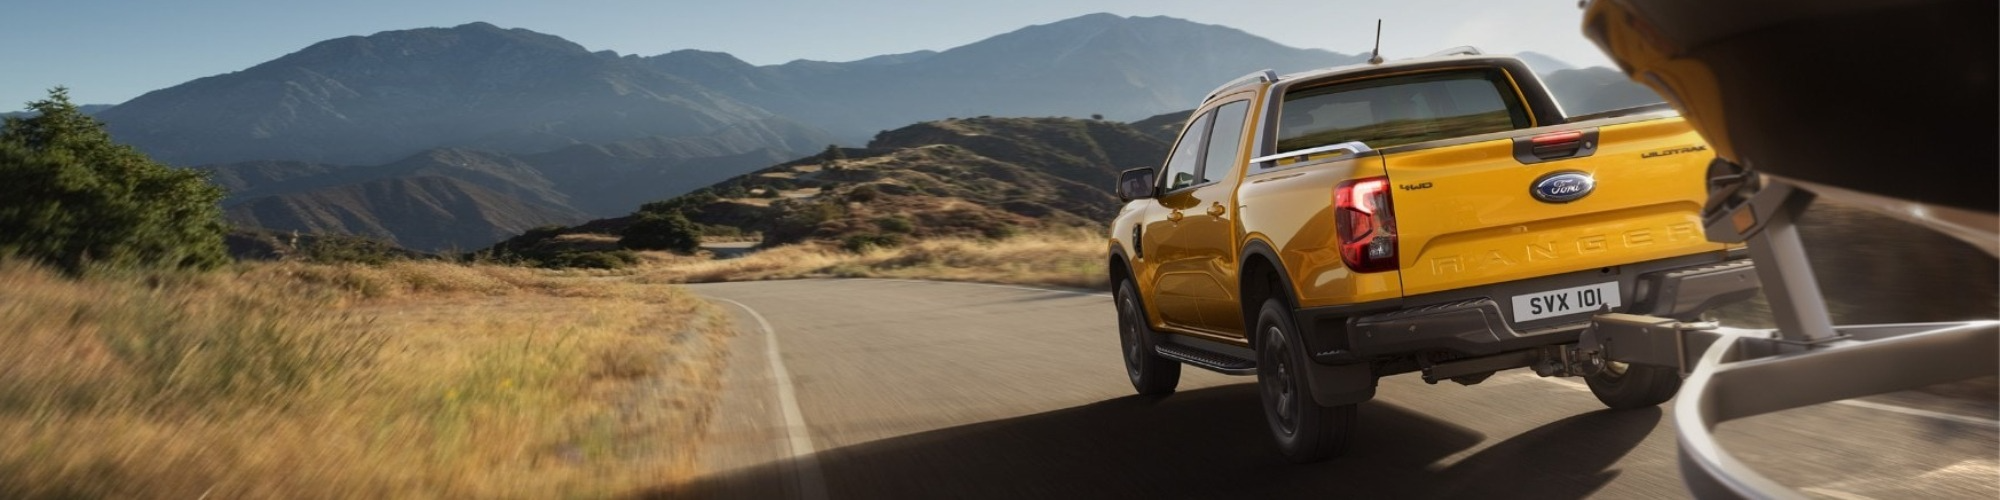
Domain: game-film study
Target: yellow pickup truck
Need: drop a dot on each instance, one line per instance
(1438, 215)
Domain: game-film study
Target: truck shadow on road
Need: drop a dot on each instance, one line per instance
(1209, 443)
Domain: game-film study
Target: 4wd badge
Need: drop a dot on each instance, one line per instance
(1562, 187)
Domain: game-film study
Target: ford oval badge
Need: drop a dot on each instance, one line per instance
(1562, 187)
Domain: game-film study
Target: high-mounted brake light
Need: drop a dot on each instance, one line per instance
(1557, 138)
(1366, 223)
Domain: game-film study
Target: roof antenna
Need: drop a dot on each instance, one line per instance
(1377, 58)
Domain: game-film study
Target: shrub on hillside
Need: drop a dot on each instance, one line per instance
(896, 224)
(863, 194)
(331, 249)
(72, 197)
(861, 242)
(653, 231)
(690, 203)
(616, 259)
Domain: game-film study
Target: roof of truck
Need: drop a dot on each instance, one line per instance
(1457, 55)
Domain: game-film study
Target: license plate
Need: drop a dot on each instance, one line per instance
(1582, 299)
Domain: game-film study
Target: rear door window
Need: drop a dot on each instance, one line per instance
(1225, 141)
(1397, 110)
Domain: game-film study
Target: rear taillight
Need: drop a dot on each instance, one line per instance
(1366, 222)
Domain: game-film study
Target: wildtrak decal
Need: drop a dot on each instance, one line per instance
(1673, 151)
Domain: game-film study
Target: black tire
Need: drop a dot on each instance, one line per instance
(1623, 387)
(1305, 431)
(1151, 374)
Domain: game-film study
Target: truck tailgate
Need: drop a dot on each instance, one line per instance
(1466, 216)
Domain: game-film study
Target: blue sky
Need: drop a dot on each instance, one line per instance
(109, 51)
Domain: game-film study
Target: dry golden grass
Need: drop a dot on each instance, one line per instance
(1073, 258)
(410, 380)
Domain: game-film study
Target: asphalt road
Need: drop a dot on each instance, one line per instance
(893, 389)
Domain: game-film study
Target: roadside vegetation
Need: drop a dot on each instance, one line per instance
(408, 379)
(1065, 258)
(141, 363)
(71, 197)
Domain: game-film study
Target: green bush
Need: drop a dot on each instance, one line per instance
(861, 242)
(864, 193)
(1000, 231)
(896, 224)
(336, 248)
(655, 231)
(616, 259)
(690, 203)
(72, 197)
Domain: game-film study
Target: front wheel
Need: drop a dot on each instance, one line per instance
(1623, 386)
(1305, 431)
(1151, 374)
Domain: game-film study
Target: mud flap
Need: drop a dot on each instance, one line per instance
(1338, 385)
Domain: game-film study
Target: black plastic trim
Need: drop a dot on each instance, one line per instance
(1475, 322)
(1208, 355)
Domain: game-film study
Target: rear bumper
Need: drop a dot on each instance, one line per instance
(1478, 321)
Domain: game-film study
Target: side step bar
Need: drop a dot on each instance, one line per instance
(1227, 364)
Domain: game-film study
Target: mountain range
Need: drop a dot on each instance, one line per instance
(482, 132)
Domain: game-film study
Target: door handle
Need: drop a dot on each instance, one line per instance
(1215, 210)
(1174, 216)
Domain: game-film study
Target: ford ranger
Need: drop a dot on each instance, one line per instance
(1439, 215)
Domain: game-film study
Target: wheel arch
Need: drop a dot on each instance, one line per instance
(1117, 266)
(1260, 276)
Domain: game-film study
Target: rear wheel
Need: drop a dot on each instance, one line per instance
(1305, 431)
(1151, 374)
(1623, 386)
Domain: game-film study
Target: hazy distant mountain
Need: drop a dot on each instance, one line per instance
(87, 109)
(564, 186)
(1590, 90)
(1580, 91)
(1119, 67)
(1542, 64)
(370, 99)
(380, 97)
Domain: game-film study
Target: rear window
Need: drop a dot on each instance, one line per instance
(1391, 111)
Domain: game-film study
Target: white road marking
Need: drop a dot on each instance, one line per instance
(1836, 494)
(1921, 413)
(989, 285)
(1845, 402)
(810, 481)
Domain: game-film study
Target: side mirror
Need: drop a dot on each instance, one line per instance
(1136, 184)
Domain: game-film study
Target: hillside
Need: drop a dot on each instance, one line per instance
(427, 212)
(564, 186)
(977, 177)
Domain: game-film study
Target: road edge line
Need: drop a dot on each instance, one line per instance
(811, 481)
(988, 285)
(1915, 412)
